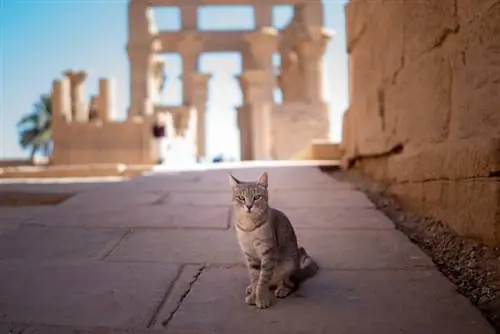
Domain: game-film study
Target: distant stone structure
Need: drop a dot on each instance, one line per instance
(90, 133)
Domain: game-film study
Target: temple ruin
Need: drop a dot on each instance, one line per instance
(90, 133)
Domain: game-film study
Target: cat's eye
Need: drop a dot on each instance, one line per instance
(240, 198)
(257, 197)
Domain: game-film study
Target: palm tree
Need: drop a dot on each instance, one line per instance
(35, 129)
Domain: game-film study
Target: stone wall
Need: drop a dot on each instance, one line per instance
(115, 142)
(424, 114)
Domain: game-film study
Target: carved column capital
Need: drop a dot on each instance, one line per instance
(312, 42)
(75, 78)
(263, 43)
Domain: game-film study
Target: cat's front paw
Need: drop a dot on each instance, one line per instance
(250, 299)
(263, 298)
(249, 290)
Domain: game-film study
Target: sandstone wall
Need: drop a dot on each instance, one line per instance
(114, 142)
(424, 114)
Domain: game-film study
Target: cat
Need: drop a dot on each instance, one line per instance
(269, 244)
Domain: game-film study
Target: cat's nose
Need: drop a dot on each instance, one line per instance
(249, 207)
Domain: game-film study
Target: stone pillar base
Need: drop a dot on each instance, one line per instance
(296, 125)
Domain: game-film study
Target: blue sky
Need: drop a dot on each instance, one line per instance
(42, 38)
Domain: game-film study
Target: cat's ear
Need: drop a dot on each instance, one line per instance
(263, 180)
(233, 182)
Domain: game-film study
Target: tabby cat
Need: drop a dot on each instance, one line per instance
(269, 244)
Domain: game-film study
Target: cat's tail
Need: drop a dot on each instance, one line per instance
(308, 268)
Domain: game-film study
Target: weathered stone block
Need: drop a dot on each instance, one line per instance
(471, 207)
(469, 9)
(357, 16)
(478, 157)
(427, 23)
(348, 138)
(375, 168)
(378, 53)
(476, 77)
(417, 105)
(370, 138)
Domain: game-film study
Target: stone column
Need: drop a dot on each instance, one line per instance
(263, 15)
(61, 110)
(262, 45)
(141, 48)
(77, 93)
(245, 127)
(106, 103)
(311, 48)
(244, 121)
(199, 86)
(290, 78)
(61, 100)
(254, 84)
(189, 47)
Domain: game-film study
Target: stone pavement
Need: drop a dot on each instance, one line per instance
(158, 254)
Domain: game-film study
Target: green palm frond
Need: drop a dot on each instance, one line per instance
(35, 128)
(26, 137)
(30, 119)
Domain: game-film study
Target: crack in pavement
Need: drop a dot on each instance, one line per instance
(170, 288)
(193, 280)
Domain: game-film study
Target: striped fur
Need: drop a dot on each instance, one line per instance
(269, 244)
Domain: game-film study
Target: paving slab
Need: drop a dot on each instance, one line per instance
(141, 216)
(195, 198)
(340, 302)
(52, 243)
(8, 227)
(331, 249)
(279, 177)
(111, 196)
(179, 246)
(48, 187)
(278, 198)
(29, 328)
(338, 218)
(21, 214)
(320, 199)
(363, 249)
(91, 294)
